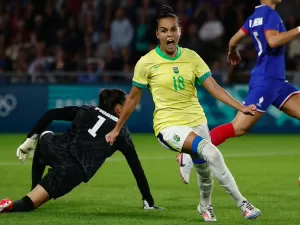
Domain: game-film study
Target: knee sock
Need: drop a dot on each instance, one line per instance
(215, 160)
(205, 183)
(23, 205)
(221, 133)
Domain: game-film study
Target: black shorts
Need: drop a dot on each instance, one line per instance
(66, 172)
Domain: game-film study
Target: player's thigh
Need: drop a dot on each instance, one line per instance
(289, 100)
(291, 107)
(202, 131)
(174, 137)
(53, 154)
(260, 96)
(62, 180)
(184, 139)
(44, 146)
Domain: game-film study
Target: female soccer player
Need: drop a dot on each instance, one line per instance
(268, 85)
(76, 155)
(180, 124)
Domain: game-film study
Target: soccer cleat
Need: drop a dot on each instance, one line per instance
(185, 166)
(207, 213)
(146, 206)
(249, 211)
(6, 205)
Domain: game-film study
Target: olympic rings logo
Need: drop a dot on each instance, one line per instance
(7, 104)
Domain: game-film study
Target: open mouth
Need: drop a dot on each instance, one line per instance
(170, 43)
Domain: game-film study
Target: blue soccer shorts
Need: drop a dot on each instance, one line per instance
(264, 92)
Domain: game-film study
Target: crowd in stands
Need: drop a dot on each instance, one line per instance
(88, 41)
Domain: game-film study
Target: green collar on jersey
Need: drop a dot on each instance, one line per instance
(163, 55)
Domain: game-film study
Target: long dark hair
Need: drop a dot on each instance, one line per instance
(109, 98)
(167, 12)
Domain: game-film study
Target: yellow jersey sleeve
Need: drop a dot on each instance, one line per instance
(140, 76)
(202, 70)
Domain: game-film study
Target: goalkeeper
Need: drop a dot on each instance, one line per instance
(76, 155)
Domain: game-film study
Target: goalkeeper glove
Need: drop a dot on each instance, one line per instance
(27, 147)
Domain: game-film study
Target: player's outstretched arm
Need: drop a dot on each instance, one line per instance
(128, 150)
(28, 146)
(276, 39)
(222, 95)
(66, 114)
(131, 102)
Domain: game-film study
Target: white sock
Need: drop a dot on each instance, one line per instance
(205, 183)
(216, 162)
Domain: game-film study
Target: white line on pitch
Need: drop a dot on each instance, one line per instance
(229, 155)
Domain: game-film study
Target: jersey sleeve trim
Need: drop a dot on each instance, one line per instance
(244, 30)
(139, 85)
(200, 80)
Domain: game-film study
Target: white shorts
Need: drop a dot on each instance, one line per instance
(173, 138)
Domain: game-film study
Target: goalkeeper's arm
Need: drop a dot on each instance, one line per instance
(66, 114)
(128, 150)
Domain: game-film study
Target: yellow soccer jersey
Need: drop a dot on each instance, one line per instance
(172, 84)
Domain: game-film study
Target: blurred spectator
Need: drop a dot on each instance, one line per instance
(72, 38)
(39, 68)
(142, 34)
(291, 22)
(12, 50)
(192, 40)
(113, 61)
(146, 10)
(212, 29)
(51, 24)
(90, 75)
(127, 72)
(121, 31)
(217, 71)
(89, 6)
(294, 48)
(211, 34)
(103, 45)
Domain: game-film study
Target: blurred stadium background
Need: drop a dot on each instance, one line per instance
(55, 53)
(61, 52)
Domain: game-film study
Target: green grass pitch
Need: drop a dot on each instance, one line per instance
(266, 169)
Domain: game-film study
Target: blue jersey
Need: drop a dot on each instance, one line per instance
(270, 61)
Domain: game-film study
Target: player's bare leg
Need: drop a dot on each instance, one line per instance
(243, 123)
(239, 126)
(292, 106)
(195, 145)
(37, 197)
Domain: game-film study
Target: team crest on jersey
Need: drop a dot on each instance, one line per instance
(175, 70)
(176, 138)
